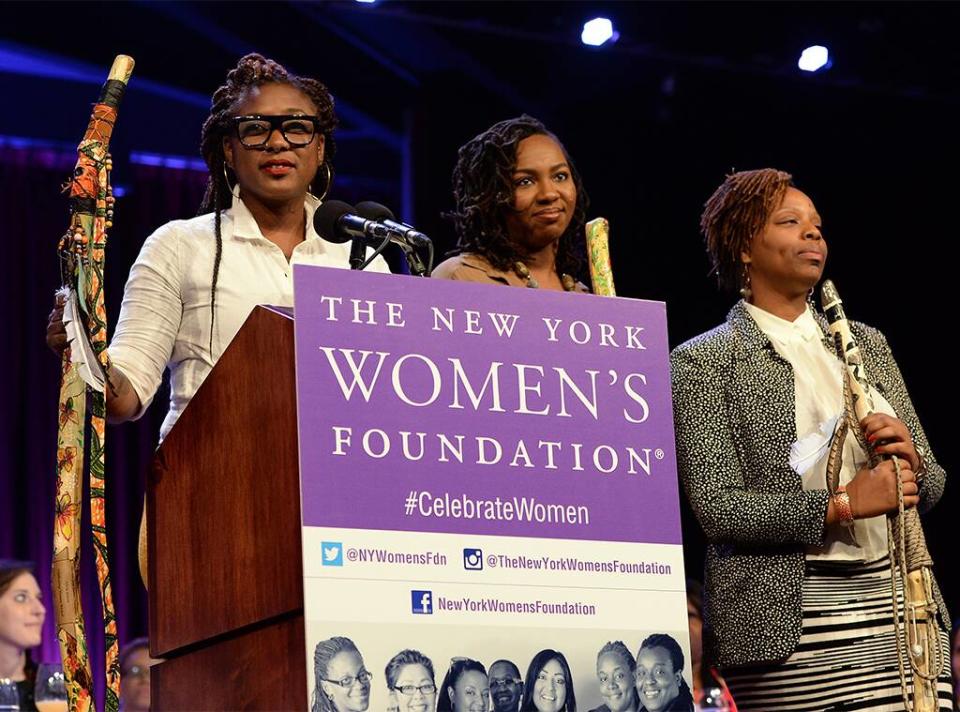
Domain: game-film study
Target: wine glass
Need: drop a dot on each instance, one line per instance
(711, 699)
(9, 696)
(50, 693)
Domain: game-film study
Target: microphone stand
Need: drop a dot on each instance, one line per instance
(417, 268)
(358, 254)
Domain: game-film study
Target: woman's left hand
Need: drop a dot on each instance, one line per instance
(893, 436)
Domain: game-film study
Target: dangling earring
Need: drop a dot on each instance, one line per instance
(235, 188)
(329, 182)
(745, 290)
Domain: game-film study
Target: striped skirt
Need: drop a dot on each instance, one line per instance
(847, 655)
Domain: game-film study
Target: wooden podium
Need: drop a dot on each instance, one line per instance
(224, 545)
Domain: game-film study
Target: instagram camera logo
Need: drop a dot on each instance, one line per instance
(473, 559)
(421, 602)
(332, 553)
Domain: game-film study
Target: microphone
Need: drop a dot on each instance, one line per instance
(339, 222)
(374, 211)
(383, 215)
(336, 221)
(370, 224)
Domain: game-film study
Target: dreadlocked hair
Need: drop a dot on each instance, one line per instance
(483, 193)
(253, 70)
(735, 214)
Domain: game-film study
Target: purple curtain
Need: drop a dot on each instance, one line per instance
(35, 215)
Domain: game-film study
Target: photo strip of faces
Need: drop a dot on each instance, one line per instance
(650, 680)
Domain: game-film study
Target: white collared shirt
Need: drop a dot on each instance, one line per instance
(165, 316)
(818, 397)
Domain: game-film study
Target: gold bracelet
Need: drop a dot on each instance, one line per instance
(922, 467)
(841, 501)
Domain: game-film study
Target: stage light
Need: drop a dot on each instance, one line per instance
(814, 59)
(367, 2)
(598, 31)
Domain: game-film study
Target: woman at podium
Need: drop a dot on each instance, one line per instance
(268, 144)
(798, 576)
(520, 210)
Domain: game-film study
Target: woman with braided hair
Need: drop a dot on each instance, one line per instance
(341, 680)
(268, 144)
(798, 583)
(520, 210)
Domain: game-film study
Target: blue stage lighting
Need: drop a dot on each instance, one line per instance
(598, 31)
(814, 59)
(367, 2)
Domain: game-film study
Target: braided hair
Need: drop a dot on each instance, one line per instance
(735, 214)
(323, 654)
(483, 192)
(617, 647)
(253, 70)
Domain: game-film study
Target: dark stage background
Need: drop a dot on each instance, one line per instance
(654, 122)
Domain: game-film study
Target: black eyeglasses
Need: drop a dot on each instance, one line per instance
(411, 690)
(254, 131)
(348, 681)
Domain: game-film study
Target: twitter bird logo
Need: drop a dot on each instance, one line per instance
(332, 553)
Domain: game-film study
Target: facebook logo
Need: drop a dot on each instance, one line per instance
(332, 553)
(421, 602)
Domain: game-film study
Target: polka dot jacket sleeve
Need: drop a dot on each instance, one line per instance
(732, 445)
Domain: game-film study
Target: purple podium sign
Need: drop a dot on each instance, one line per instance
(486, 473)
(428, 405)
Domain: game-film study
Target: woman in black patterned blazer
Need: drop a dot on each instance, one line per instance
(797, 607)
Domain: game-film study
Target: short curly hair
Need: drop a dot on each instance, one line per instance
(668, 643)
(735, 214)
(617, 647)
(483, 192)
(399, 661)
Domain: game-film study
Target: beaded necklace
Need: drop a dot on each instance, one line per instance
(523, 272)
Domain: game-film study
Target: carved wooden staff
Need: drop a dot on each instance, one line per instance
(598, 256)
(84, 370)
(908, 548)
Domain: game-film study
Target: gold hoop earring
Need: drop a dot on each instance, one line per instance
(329, 182)
(235, 188)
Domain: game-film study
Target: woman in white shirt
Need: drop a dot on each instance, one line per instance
(798, 606)
(268, 143)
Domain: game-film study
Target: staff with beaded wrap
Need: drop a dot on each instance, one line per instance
(908, 547)
(598, 256)
(85, 366)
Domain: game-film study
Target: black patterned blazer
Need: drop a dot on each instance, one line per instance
(733, 400)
